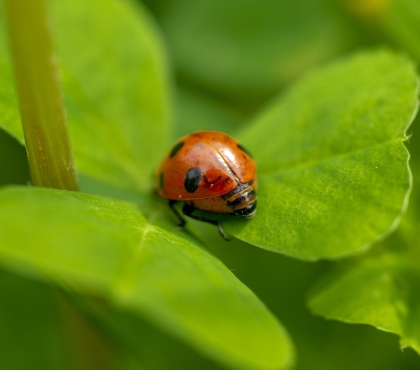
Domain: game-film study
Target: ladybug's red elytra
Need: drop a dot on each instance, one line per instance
(211, 172)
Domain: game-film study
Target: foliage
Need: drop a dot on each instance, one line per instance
(329, 133)
(322, 182)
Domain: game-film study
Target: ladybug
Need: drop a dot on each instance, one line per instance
(211, 172)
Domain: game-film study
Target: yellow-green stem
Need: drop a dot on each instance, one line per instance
(40, 99)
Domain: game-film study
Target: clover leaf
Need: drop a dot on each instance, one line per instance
(129, 254)
(332, 171)
(108, 248)
(332, 166)
(382, 292)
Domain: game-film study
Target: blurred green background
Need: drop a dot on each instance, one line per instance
(228, 58)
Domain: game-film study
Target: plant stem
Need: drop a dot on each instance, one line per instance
(40, 99)
(48, 145)
(85, 347)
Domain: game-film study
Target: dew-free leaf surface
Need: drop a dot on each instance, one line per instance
(116, 89)
(408, 231)
(382, 292)
(402, 23)
(332, 166)
(333, 173)
(108, 248)
(9, 111)
(29, 324)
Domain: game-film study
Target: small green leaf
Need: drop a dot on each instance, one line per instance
(246, 50)
(96, 245)
(402, 23)
(332, 166)
(382, 292)
(116, 89)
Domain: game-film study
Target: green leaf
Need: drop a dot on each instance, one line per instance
(382, 292)
(141, 344)
(97, 245)
(410, 223)
(29, 324)
(332, 166)
(9, 109)
(116, 89)
(402, 24)
(248, 50)
(327, 344)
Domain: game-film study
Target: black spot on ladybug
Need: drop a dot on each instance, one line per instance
(192, 179)
(176, 149)
(161, 180)
(244, 150)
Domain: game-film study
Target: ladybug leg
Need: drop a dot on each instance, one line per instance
(187, 211)
(181, 219)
